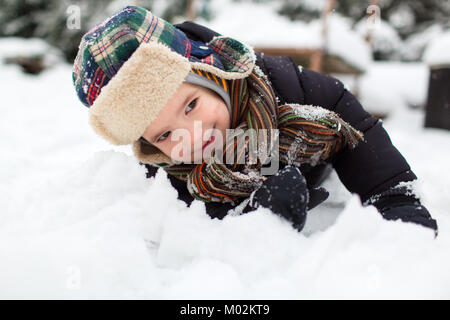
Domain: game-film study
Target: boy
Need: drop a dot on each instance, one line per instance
(149, 83)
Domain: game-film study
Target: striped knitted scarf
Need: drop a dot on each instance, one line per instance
(306, 134)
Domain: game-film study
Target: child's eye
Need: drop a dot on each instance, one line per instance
(191, 105)
(165, 135)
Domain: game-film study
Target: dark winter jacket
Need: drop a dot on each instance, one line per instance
(371, 170)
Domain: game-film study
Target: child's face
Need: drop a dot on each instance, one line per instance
(190, 103)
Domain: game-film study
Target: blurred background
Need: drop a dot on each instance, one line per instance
(339, 37)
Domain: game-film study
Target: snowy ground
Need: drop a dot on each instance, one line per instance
(80, 220)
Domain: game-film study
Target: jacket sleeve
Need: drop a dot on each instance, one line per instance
(375, 169)
(375, 165)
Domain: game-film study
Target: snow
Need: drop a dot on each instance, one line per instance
(274, 30)
(311, 112)
(80, 220)
(388, 86)
(12, 47)
(414, 46)
(437, 52)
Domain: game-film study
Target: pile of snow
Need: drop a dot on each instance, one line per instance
(437, 53)
(13, 47)
(80, 220)
(266, 28)
(414, 46)
(388, 87)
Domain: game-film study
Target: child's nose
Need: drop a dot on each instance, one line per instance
(195, 128)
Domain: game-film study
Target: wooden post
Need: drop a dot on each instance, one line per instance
(315, 60)
(318, 61)
(191, 13)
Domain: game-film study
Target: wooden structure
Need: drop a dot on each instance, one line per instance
(319, 59)
(314, 59)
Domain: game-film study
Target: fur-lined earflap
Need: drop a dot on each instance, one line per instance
(149, 154)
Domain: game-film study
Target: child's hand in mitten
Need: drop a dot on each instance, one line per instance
(286, 194)
(397, 203)
(411, 213)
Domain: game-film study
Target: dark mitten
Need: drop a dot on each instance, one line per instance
(317, 196)
(218, 209)
(411, 213)
(399, 203)
(285, 194)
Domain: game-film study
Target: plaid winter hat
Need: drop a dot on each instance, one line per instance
(130, 65)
